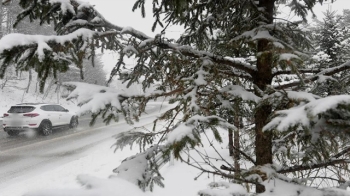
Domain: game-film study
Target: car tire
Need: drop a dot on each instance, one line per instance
(73, 122)
(12, 133)
(45, 128)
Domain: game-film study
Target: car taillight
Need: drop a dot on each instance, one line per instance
(31, 114)
(6, 115)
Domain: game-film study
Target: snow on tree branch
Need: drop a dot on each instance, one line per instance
(142, 169)
(93, 98)
(224, 189)
(317, 73)
(238, 91)
(42, 42)
(296, 168)
(66, 5)
(305, 114)
(103, 25)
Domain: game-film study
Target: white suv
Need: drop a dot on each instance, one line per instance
(39, 116)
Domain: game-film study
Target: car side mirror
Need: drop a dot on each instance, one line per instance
(66, 110)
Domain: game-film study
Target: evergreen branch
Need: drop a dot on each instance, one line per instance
(218, 172)
(184, 50)
(235, 74)
(4, 2)
(288, 72)
(187, 51)
(245, 155)
(230, 169)
(211, 145)
(168, 127)
(288, 21)
(346, 150)
(206, 159)
(312, 166)
(329, 178)
(190, 52)
(326, 72)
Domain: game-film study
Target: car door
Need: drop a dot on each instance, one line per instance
(51, 114)
(64, 116)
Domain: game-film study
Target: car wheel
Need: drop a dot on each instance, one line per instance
(74, 122)
(45, 128)
(13, 133)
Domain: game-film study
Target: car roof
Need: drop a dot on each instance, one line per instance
(35, 104)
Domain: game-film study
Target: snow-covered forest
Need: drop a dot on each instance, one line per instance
(27, 80)
(274, 91)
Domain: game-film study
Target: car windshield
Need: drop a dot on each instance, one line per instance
(21, 109)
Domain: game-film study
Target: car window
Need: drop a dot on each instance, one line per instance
(59, 108)
(21, 109)
(48, 108)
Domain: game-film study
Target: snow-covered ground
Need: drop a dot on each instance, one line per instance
(98, 162)
(90, 173)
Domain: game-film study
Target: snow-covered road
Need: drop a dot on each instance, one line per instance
(33, 156)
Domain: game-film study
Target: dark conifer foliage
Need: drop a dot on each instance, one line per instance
(236, 65)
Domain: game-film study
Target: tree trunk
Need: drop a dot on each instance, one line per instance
(263, 140)
(29, 79)
(233, 140)
(233, 144)
(236, 154)
(230, 142)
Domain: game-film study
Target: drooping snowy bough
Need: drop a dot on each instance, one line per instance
(238, 74)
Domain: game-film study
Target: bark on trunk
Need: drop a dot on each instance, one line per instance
(236, 154)
(233, 141)
(230, 141)
(263, 140)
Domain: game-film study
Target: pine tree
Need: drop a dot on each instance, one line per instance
(91, 73)
(331, 42)
(235, 59)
